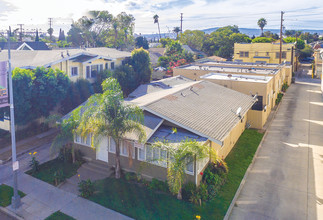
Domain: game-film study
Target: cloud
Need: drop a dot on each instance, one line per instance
(197, 14)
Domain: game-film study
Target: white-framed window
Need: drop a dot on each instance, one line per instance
(74, 71)
(200, 164)
(82, 140)
(149, 153)
(92, 70)
(125, 146)
(106, 66)
(112, 145)
(142, 154)
(112, 65)
(190, 166)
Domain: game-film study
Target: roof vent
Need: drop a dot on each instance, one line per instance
(62, 55)
(229, 75)
(68, 54)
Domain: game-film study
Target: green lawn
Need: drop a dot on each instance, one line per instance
(59, 216)
(47, 170)
(6, 193)
(140, 203)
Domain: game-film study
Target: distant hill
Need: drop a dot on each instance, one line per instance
(256, 32)
(248, 31)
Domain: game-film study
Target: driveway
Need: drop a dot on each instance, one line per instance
(286, 180)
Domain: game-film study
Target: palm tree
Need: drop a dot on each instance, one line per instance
(176, 30)
(179, 156)
(156, 17)
(106, 114)
(262, 23)
(65, 137)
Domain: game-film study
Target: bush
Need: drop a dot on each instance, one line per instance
(65, 155)
(156, 184)
(59, 177)
(86, 188)
(196, 198)
(284, 87)
(202, 189)
(34, 163)
(187, 190)
(215, 173)
(213, 191)
(130, 176)
(279, 98)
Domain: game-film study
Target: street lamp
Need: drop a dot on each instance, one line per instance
(15, 201)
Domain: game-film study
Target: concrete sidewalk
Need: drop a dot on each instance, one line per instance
(43, 199)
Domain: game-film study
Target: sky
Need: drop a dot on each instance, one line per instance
(197, 14)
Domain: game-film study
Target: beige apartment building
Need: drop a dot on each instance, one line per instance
(265, 53)
(263, 80)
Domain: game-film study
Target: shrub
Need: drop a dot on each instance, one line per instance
(34, 163)
(213, 191)
(202, 189)
(284, 87)
(187, 190)
(86, 188)
(156, 184)
(279, 98)
(196, 198)
(215, 173)
(65, 155)
(59, 177)
(130, 176)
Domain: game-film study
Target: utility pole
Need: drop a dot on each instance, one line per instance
(281, 37)
(20, 35)
(15, 200)
(181, 23)
(50, 20)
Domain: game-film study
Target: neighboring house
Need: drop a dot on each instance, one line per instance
(263, 80)
(155, 53)
(265, 53)
(39, 45)
(76, 63)
(199, 110)
(197, 53)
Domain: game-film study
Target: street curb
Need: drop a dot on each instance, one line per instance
(10, 213)
(234, 200)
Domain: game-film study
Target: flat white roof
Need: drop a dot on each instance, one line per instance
(222, 69)
(237, 77)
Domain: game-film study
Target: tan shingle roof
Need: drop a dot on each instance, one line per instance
(205, 108)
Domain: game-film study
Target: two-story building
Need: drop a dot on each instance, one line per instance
(265, 53)
(76, 63)
(262, 80)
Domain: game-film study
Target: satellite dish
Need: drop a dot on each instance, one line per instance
(238, 111)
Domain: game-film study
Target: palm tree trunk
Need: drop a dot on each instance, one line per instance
(118, 168)
(179, 194)
(159, 30)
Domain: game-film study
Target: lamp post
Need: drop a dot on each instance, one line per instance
(15, 201)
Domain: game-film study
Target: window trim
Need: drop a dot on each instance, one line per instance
(77, 70)
(115, 149)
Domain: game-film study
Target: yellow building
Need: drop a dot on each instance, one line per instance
(76, 63)
(264, 53)
(263, 80)
(260, 87)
